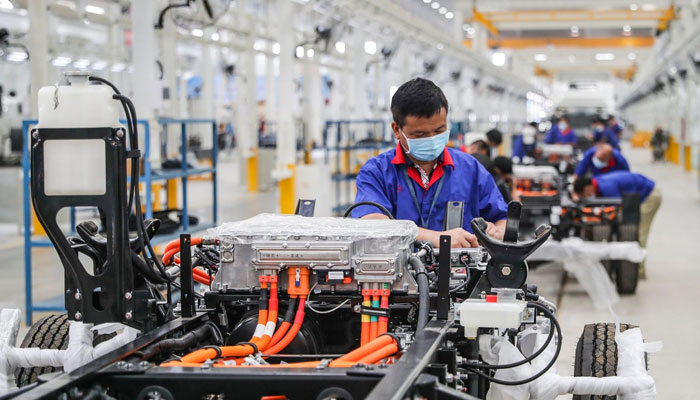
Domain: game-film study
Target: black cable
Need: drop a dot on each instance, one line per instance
(491, 379)
(423, 291)
(521, 362)
(368, 203)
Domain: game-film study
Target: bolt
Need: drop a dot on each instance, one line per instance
(77, 296)
(78, 316)
(127, 295)
(121, 364)
(284, 245)
(144, 364)
(382, 366)
(120, 133)
(506, 271)
(129, 366)
(369, 367)
(357, 308)
(35, 134)
(128, 316)
(307, 245)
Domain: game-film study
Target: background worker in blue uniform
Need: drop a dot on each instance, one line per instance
(601, 133)
(525, 144)
(494, 138)
(615, 127)
(601, 159)
(615, 184)
(561, 133)
(417, 179)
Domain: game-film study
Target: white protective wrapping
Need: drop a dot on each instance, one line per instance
(582, 259)
(278, 226)
(78, 353)
(632, 380)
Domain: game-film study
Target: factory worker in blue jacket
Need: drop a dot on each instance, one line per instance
(601, 133)
(417, 179)
(561, 133)
(601, 159)
(615, 127)
(525, 145)
(615, 184)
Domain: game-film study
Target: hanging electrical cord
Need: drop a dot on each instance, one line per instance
(308, 303)
(553, 320)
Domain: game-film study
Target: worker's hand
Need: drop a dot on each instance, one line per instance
(460, 238)
(495, 231)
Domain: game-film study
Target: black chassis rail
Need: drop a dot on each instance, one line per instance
(398, 381)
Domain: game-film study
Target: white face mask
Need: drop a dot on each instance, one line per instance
(598, 163)
(528, 135)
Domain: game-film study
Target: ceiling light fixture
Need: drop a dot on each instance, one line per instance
(648, 7)
(197, 32)
(82, 63)
(310, 53)
(632, 56)
(540, 57)
(275, 48)
(61, 61)
(94, 9)
(442, 10)
(215, 36)
(634, 7)
(340, 47)
(6, 4)
(604, 56)
(370, 47)
(98, 65)
(627, 28)
(300, 52)
(118, 67)
(17, 56)
(449, 15)
(498, 59)
(435, 5)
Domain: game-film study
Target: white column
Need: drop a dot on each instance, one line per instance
(286, 141)
(168, 58)
(38, 50)
(144, 77)
(312, 105)
(270, 88)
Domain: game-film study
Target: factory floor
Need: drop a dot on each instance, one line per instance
(662, 305)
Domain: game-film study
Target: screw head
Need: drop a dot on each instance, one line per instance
(77, 296)
(78, 316)
(35, 134)
(128, 295)
(144, 364)
(128, 315)
(506, 271)
(120, 133)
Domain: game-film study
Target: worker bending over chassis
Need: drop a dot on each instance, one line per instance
(416, 180)
(615, 184)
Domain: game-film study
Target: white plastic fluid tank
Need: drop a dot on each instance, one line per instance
(80, 105)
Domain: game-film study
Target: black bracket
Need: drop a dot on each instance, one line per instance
(443, 301)
(186, 283)
(94, 298)
(507, 268)
(305, 208)
(375, 311)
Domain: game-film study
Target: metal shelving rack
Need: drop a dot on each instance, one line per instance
(345, 141)
(149, 175)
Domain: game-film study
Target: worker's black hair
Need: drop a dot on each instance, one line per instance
(580, 183)
(597, 120)
(504, 165)
(418, 97)
(481, 145)
(495, 136)
(563, 117)
(486, 162)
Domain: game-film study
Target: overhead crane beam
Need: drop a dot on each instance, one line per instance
(524, 43)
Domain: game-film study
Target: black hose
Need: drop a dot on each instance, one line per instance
(554, 321)
(368, 203)
(187, 340)
(423, 291)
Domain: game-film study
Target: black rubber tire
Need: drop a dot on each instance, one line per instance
(626, 272)
(596, 354)
(48, 333)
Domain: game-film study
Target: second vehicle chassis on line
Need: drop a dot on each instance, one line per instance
(299, 307)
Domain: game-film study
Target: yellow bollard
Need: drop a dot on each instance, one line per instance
(252, 165)
(172, 193)
(287, 195)
(688, 163)
(38, 228)
(156, 189)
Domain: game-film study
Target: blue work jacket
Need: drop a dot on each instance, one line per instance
(521, 149)
(383, 180)
(616, 163)
(555, 136)
(607, 136)
(615, 184)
